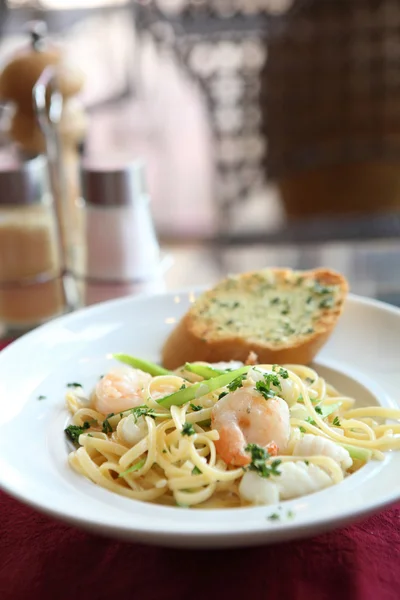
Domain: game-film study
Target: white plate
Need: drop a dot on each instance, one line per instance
(362, 358)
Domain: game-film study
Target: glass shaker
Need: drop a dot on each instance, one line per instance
(31, 278)
(120, 251)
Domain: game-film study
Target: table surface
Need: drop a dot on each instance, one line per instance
(43, 558)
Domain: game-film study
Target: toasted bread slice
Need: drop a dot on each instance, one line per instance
(283, 316)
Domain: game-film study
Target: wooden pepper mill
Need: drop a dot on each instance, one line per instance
(17, 82)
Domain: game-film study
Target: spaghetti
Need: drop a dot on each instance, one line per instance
(174, 447)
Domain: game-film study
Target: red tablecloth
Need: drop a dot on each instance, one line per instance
(43, 559)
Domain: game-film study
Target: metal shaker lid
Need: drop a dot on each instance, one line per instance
(121, 185)
(23, 181)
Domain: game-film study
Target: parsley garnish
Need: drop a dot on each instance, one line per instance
(74, 385)
(264, 389)
(183, 387)
(283, 373)
(258, 461)
(41, 397)
(275, 300)
(290, 514)
(302, 429)
(188, 429)
(222, 394)
(195, 407)
(309, 381)
(236, 383)
(326, 302)
(322, 289)
(236, 305)
(196, 471)
(307, 462)
(106, 425)
(318, 410)
(74, 431)
(141, 411)
(310, 420)
(336, 422)
(274, 517)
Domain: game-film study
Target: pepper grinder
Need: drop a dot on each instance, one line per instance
(121, 251)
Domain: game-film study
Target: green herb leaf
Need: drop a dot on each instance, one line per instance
(318, 410)
(74, 385)
(336, 422)
(41, 397)
(106, 425)
(236, 383)
(222, 395)
(309, 381)
(264, 389)
(302, 429)
(141, 411)
(327, 302)
(259, 456)
(196, 471)
(195, 407)
(133, 468)
(274, 517)
(310, 420)
(188, 429)
(74, 431)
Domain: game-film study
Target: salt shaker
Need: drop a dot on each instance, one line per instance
(121, 254)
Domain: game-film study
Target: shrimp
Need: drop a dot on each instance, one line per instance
(122, 388)
(244, 416)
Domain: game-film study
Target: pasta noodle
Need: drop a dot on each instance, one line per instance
(177, 455)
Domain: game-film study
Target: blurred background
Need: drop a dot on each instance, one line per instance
(269, 130)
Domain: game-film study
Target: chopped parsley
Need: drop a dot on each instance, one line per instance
(188, 429)
(74, 431)
(307, 462)
(302, 429)
(236, 305)
(318, 410)
(264, 386)
(309, 381)
(322, 289)
(183, 387)
(282, 372)
(236, 383)
(259, 456)
(336, 422)
(196, 471)
(229, 322)
(222, 394)
(106, 425)
(74, 385)
(327, 302)
(290, 514)
(264, 389)
(195, 407)
(275, 300)
(274, 517)
(310, 420)
(141, 411)
(41, 397)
